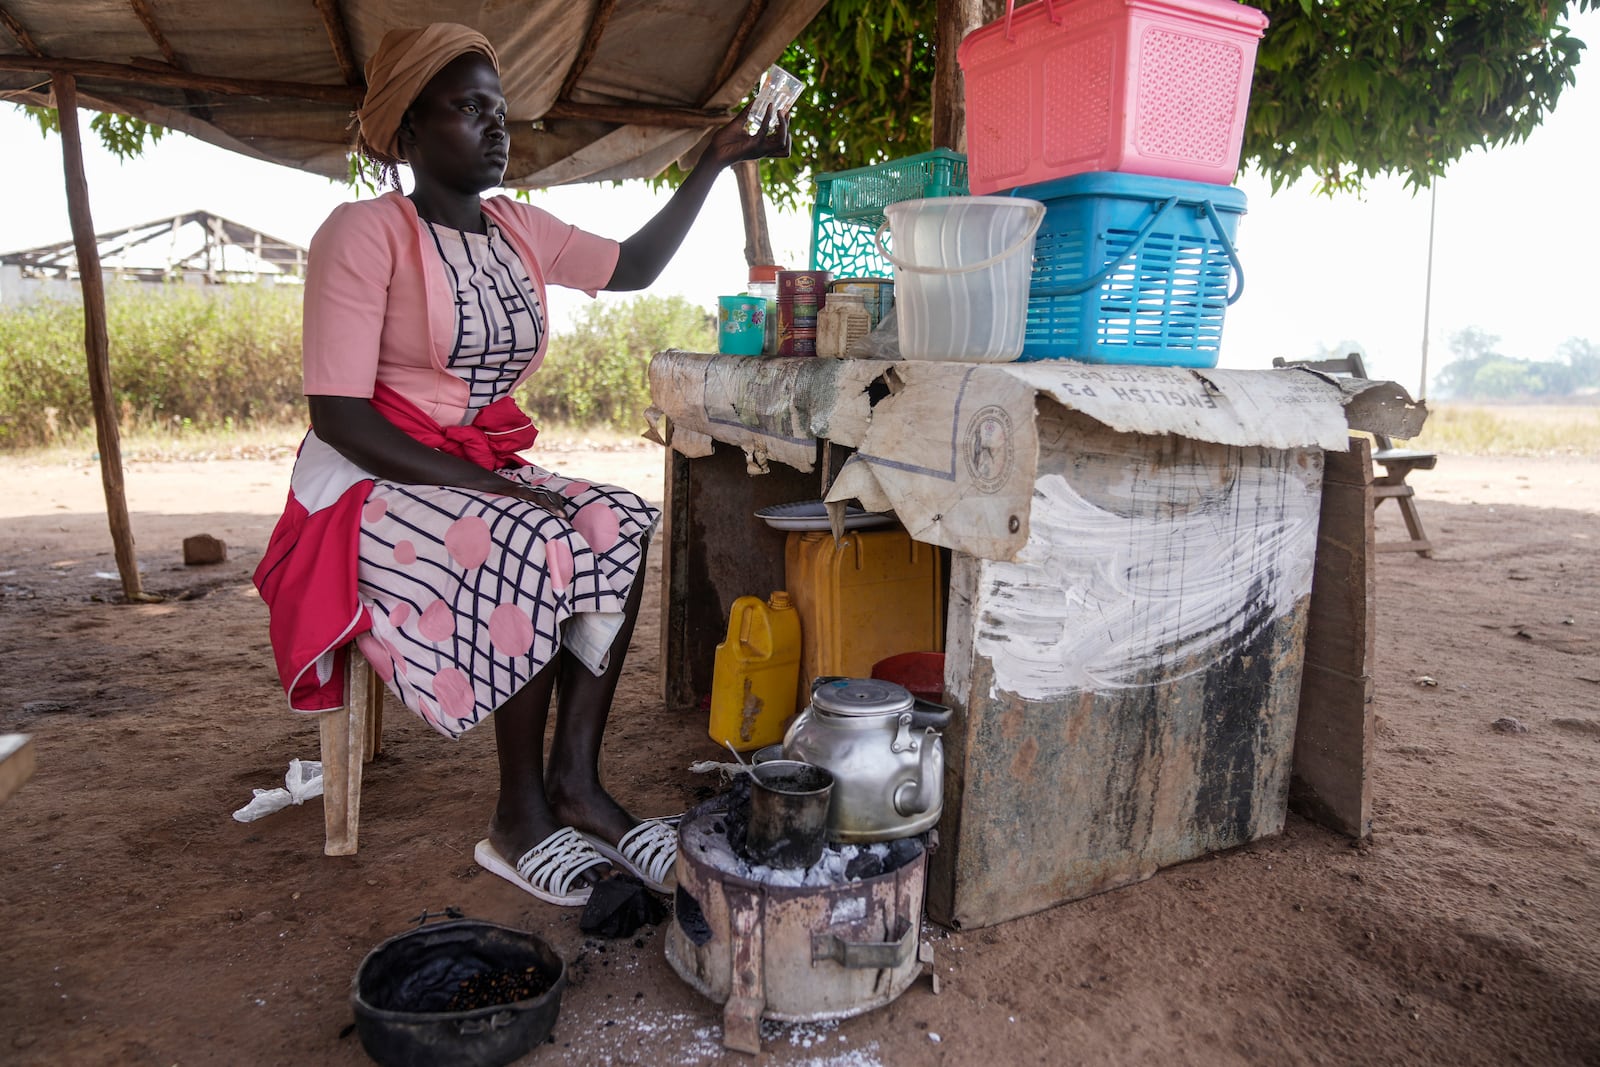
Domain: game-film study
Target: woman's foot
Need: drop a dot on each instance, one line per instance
(553, 870)
(512, 834)
(646, 850)
(588, 807)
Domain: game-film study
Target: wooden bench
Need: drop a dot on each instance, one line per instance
(1397, 463)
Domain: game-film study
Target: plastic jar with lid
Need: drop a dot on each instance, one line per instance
(764, 283)
(842, 321)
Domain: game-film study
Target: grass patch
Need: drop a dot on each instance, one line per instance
(1511, 430)
(216, 374)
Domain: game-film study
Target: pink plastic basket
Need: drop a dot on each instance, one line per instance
(1154, 87)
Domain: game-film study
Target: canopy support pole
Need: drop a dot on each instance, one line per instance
(955, 19)
(753, 206)
(96, 342)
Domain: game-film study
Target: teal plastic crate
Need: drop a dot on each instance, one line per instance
(849, 208)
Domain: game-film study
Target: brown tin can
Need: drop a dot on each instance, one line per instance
(801, 294)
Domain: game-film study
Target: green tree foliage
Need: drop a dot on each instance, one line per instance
(595, 374)
(122, 135)
(1583, 356)
(868, 68)
(1349, 89)
(1343, 89)
(1480, 372)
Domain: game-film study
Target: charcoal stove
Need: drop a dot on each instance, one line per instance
(768, 945)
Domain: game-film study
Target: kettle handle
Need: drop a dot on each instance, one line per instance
(926, 715)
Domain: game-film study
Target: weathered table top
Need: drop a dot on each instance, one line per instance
(953, 448)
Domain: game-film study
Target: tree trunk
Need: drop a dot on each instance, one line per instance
(956, 19)
(757, 241)
(96, 342)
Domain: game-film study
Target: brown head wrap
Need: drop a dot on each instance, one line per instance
(398, 70)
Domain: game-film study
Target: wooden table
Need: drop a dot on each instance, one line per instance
(1094, 770)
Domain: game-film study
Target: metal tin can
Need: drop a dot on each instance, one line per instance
(801, 294)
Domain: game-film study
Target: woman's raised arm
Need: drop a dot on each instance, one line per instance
(646, 253)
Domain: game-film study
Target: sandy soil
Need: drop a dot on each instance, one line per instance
(144, 926)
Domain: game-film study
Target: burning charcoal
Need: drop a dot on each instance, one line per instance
(865, 865)
(902, 850)
(738, 813)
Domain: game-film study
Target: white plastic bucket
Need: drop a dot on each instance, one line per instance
(962, 265)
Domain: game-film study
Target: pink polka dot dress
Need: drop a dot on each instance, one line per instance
(471, 594)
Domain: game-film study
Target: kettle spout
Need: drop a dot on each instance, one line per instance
(920, 794)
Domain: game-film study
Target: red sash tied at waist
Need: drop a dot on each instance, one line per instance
(490, 440)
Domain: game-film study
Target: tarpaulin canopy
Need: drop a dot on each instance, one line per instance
(596, 89)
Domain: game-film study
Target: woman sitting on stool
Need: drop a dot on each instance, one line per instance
(473, 581)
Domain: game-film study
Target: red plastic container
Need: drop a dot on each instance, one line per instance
(1065, 87)
(922, 673)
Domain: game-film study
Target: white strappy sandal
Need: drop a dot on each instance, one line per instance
(548, 870)
(647, 852)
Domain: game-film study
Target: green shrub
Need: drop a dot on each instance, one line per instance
(595, 374)
(179, 357)
(186, 359)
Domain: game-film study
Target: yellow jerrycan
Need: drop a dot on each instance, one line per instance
(753, 684)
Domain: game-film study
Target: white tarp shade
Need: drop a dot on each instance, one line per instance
(648, 53)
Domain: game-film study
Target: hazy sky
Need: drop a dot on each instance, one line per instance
(1518, 233)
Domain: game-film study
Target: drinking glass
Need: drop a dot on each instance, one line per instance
(774, 98)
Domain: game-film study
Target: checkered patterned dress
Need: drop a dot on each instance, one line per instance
(471, 594)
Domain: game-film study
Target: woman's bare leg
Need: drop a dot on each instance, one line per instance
(583, 705)
(522, 815)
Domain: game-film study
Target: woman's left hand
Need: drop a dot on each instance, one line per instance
(641, 257)
(732, 144)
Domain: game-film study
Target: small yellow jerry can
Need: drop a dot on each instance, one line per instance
(755, 679)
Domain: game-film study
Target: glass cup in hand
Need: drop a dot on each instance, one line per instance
(774, 99)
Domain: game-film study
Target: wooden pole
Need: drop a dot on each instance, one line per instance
(955, 19)
(183, 79)
(757, 239)
(96, 342)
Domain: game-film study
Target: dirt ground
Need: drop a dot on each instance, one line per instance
(143, 925)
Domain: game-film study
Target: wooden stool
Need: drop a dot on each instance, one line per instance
(16, 763)
(351, 736)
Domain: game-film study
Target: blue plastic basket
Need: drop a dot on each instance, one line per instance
(1132, 269)
(849, 207)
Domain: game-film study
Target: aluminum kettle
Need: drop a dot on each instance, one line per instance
(884, 749)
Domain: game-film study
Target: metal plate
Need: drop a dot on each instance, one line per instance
(812, 515)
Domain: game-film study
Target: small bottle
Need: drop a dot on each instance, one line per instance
(842, 321)
(764, 283)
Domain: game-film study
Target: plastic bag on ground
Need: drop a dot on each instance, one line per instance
(303, 782)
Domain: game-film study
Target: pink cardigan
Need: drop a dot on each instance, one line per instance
(375, 284)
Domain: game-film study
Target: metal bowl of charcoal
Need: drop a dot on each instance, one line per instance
(465, 993)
